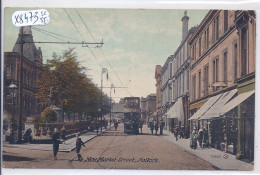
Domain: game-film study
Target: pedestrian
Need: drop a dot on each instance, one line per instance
(62, 133)
(152, 127)
(116, 125)
(55, 142)
(161, 127)
(181, 133)
(97, 126)
(141, 125)
(200, 137)
(194, 136)
(176, 132)
(79, 143)
(156, 128)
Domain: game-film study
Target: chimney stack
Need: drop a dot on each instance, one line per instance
(185, 25)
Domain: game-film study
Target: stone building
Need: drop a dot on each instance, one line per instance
(175, 86)
(158, 79)
(222, 55)
(148, 108)
(32, 66)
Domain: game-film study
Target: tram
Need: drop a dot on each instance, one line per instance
(131, 115)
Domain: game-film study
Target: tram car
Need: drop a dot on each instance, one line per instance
(131, 115)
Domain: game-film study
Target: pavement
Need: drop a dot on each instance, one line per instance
(220, 159)
(68, 146)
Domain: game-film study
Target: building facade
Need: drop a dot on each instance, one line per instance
(32, 66)
(176, 82)
(218, 60)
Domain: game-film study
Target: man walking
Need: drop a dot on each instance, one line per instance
(161, 127)
(156, 128)
(152, 127)
(79, 143)
(141, 126)
(55, 142)
(176, 132)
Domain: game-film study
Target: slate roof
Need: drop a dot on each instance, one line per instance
(29, 49)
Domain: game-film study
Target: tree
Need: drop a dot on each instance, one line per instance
(63, 84)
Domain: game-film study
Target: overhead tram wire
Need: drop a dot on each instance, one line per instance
(102, 51)
(85, 41)
(38, 29)
(48, 34)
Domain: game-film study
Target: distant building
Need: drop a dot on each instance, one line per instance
(32, 66)
(117, 111)
(148, 108)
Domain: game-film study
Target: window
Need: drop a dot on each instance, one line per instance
(205, 41)
(199, 46)
(225, 20)
(170, 70)
(215, 71)
(206, 79)
(235, 61)
(199, 83)
(225, 66)
(195, 51)
(243, 51)
(8, 72)
(207, 44)
(217, 27)
(183, 80)
(213, 31)
(187, 80)
(194, 87)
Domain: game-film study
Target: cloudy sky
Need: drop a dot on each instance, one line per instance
(134, 42)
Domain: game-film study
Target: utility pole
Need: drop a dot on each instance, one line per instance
(20, 90)
(104, 70)
(112, 86)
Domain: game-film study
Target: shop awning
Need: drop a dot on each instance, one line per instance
(176, 111)
(236, 101)
(217, 109)
(207, 105)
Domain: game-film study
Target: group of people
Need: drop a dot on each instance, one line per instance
(155, 126)
(200, 136)
(56, 141)
(178, 132)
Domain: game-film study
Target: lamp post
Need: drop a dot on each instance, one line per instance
(13, 92)
(104, 70)
(112, 86)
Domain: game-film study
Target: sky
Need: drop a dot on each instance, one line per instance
(135, 41)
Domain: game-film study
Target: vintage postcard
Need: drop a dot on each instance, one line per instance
(146, 89)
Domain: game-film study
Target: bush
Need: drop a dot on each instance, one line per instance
(49, 115)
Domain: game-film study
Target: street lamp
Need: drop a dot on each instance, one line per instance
(13, 92)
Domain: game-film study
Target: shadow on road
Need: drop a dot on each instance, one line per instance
(16, 158)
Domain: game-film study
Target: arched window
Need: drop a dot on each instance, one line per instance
(8, 72)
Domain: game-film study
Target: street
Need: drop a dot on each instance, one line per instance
(112, 150)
